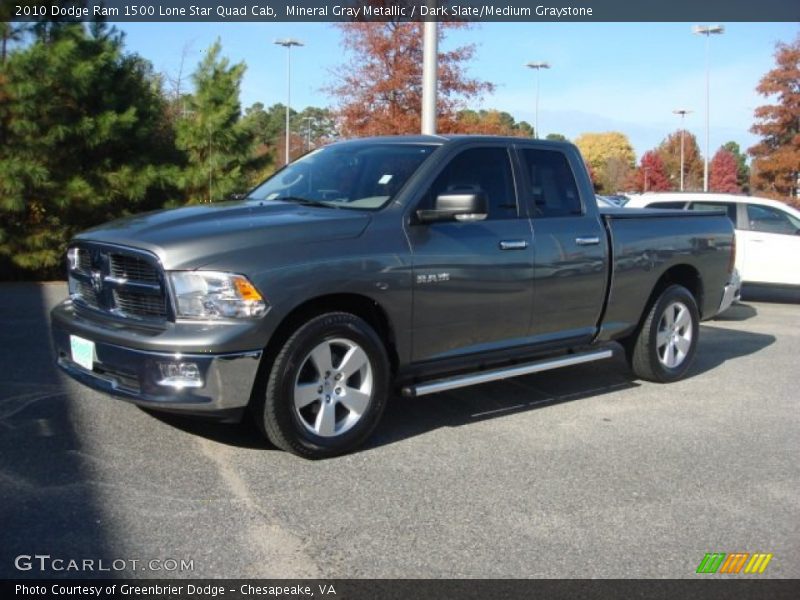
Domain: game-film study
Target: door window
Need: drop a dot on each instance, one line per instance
(486, 170)
(551, 183)
(771, 220)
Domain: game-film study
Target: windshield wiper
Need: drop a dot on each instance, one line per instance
(304, 201)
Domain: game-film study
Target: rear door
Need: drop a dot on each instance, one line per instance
(570, 249)
(473, 280)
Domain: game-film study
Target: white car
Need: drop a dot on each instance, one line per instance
(767, 231)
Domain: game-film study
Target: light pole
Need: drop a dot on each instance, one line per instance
(682, 112)
(288, 43)
(308, 121)
(708, 31)
(538, 66)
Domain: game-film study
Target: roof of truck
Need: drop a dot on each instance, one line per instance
(439, 139)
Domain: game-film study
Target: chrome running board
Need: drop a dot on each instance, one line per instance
(459, 381)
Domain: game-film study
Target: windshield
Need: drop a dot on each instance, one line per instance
(363, 176)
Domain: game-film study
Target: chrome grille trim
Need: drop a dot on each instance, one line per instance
(132, 268)
(120, 282)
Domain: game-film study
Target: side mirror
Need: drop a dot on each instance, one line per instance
(459, 206)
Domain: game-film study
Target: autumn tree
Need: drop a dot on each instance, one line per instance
(742, 170)
(776, 158)
(723, 173)
(669, 150)
(379, 89)
(610, 157)
(651, 176)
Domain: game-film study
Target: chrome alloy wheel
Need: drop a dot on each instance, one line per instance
(674, 337)
(333, 388)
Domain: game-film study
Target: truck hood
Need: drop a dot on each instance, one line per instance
(194, 236)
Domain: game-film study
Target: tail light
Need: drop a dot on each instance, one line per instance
(732, 260)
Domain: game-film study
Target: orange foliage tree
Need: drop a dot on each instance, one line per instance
(379, 88)
(670, 153)
(776, 158)
(723, 171)
(650, 176)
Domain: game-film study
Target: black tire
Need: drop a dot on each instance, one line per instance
(288, 428)
(647, 358)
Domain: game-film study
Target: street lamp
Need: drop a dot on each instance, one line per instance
(288, 43)
(708, 31)
(538, 66)
(682, 112)
(309, 121)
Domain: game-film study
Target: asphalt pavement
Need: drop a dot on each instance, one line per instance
(582, 472)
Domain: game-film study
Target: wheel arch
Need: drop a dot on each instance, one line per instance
(681, 274)
(356, 304)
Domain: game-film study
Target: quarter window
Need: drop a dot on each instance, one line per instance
(554, 192)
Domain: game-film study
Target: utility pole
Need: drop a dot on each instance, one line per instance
(430, 66)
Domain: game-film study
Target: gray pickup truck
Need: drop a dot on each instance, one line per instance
(374, 266)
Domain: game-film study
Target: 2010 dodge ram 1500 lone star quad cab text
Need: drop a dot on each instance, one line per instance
(416, 264)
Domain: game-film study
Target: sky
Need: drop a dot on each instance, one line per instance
(626, 77)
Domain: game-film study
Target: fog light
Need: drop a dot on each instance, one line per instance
(180, 375)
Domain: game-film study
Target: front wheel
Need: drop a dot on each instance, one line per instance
(327, 388)
(665, 345)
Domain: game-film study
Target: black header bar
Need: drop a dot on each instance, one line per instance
(405, 10)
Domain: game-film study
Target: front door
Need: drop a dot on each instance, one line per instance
(472, 280)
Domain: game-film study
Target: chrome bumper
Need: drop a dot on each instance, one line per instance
(225, 381)
(731, 293)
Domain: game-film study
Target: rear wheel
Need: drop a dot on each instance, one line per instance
(327, 388)
(664, 347)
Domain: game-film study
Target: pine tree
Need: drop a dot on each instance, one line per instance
(82, 141)
(219, 146)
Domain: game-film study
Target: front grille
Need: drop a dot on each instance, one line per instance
(84, 260)
(121, 282)
(133, 268)
(132, 303)
(87, 293)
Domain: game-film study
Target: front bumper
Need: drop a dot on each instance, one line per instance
(224, 383)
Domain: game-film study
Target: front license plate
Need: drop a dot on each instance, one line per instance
(82, 351)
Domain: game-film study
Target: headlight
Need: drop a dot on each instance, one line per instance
(212, 295)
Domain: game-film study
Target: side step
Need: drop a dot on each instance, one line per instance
(459, 381)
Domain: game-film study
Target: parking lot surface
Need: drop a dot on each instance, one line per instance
(582, 472)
